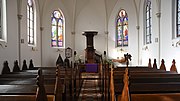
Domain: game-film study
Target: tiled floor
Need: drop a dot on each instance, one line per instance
(90, 90)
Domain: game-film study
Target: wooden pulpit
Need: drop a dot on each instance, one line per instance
(90, 51)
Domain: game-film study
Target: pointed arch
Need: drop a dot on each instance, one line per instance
(122, 29)
(58, 29)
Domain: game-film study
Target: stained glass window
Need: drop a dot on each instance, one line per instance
(122, 29)
(57, 33)
(178, 18)
(30, 22)
(148, 17)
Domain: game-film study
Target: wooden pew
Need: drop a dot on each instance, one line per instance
(40, 92)
(125, 96)
(162, 66)
(6, 68)
(173, 67)
(144, 82)
(149, 63)
(27, 92)
(112, 98)
(27, 80)
(66, 75)
(148, 84)
(106, 82)
(24, 67)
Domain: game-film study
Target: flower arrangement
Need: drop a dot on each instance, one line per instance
(79, 59)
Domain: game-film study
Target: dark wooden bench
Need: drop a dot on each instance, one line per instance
(143, 82)
(149, 88)
(24, 83)
(73, 76)
(32, 92)
(154, 97)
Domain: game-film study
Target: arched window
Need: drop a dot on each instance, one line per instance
(148, 21)
(122, 29)
(3, 21)
(30, 23)
(178, 19)
(58, 29)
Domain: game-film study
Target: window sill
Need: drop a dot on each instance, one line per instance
(176, 42)
(3, 43)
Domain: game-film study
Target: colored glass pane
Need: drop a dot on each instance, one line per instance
(122, 29)
(57, 29)
(56, 14)
(54, 22)
(125, 21)
(54, 33)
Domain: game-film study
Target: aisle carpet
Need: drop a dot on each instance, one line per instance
(90, 90)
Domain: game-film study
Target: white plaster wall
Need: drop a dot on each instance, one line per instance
(27, 52)
(169, 52)
(9, 50)
(90, 16)
(49, 54)
(10, 53)
(141, 36)
(151, 50)
(128, 5)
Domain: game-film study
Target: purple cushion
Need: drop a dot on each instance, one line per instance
(91, 67)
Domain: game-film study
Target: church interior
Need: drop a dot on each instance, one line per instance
(85, 50)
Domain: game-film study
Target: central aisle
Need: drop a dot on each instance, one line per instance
(90, 90)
